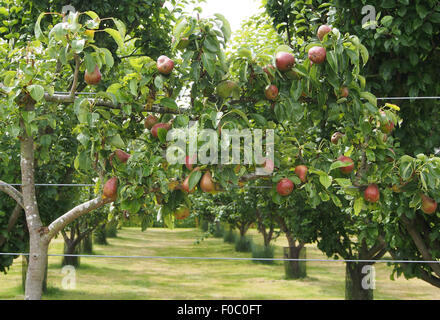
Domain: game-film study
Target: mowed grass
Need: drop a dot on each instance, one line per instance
(164, 279)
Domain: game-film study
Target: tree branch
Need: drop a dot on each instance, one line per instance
(57, 225)
(421, 246)
(426, 276)
(68, 99)
(75, 76)
(11, 223)
(12, 192)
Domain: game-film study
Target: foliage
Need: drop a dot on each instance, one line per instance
(263, 252)
(391, 46)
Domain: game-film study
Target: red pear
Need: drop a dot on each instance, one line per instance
(150, 121)
(429, 206)
(301, 172)
(343, 92)
(268, 166)
(110, 189)
(317, 54)
(372, 194)
(322, 31)
(122, 156)
(189, 161)
(271, 92)
(285, 187)
(185, 185)
(165, 65)
(206, 184)
(348, 169)
(158, 126)
(94, 77)
(284, 61)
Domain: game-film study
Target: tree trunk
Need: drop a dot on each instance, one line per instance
(38, 247)
(71, 248)
(295, 269)
(101, 235)
(36, 269)
(24, 268)
(355, 281)
(87, 245)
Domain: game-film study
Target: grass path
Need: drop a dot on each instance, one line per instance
(193, 279)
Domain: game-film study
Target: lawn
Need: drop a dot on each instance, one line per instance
(99, 278)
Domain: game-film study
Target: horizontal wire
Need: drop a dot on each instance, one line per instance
(221, 258)
(381, 98)
(50, 185)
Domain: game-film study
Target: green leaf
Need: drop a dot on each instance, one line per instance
(358, 205)
(370, 97)
(211, 44)
(36, 91)
(194, 179)
(325, 180)
(117, 141)
(90, 62)
(226, 27)
(116, 36)
(344, 183)
(364, 53)
(109, 61)
(169, 103)
(92, 15)
(37, 28)
(78, 45)
(240, 113)
(162, 135)
(259, 119)
(208, 61)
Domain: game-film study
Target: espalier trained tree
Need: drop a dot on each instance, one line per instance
(304, 116)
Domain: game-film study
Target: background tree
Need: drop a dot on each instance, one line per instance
(397, 60)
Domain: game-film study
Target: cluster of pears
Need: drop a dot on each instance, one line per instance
(285, 61)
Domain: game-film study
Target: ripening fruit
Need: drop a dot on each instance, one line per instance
(301, 172)
(185, 186)
(322, 31)
(110, 189)
(182, 213)
(348, 169)
(387, 127)
(285, 187)
(158, 126)
(317, 54)
(270, 71)
(150, 121)
(336, 137)
(268, 166)
(165, 65)
(271, 92)
(372, 194)
(429, 206)
(343, 92)
(122, 156)
(206, 184)
(226, 88)
(284, 61)
(94, 77)
(189, 161)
